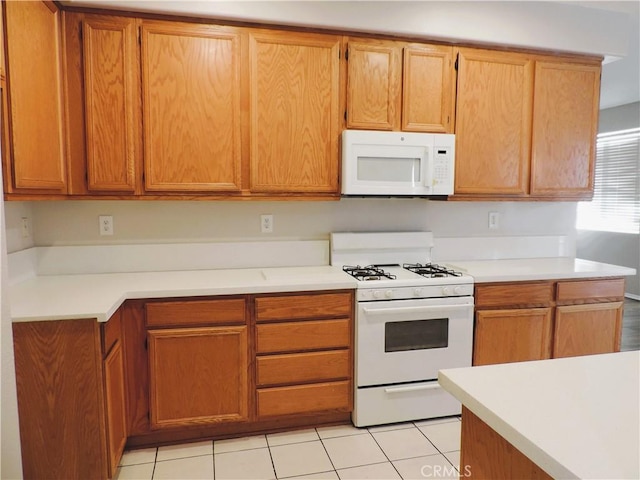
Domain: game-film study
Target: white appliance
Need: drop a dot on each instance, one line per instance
(413, 318)
(397, 163)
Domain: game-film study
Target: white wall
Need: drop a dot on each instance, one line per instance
(610, 247)
(76, 222)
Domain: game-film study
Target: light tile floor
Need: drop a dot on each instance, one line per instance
(412, 450)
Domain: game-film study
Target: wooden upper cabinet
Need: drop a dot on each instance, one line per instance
(111, 102)
(37, 161)
(191, 107)
(295, 112)
(374, 85)
(428, 93)
(493, 122)
(565, 122)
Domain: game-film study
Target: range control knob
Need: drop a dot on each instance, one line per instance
(417, 292)
(457, 290)
(388, 293)
(377, 294)
(446, 291)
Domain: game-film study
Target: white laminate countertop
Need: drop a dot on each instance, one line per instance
(514, 270)
(574, 417)
(58, 297)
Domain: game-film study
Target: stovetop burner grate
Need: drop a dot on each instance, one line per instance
(368, 273)
(431, 270)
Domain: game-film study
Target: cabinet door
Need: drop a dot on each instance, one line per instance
(428, 91)
(295, 112)
(565, 123)
(111, 100)
(587, 329)
(493, 123)
(115, 405)
(374, 85)
(198, 376)
(191, 107)
(35, 101)
(503, 336)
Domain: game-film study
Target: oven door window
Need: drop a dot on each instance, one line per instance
(416, 335)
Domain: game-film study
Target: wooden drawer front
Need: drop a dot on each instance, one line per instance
(111, 331)
(303, 367)
(269, 309)
(196, 312)
(299, 399)
(512, 294)
(300, 336)
(591, 291)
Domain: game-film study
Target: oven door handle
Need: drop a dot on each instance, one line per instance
(412, 388)
(392, 310)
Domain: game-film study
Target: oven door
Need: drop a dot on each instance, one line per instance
(410, 340)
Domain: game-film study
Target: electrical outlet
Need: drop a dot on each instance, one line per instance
(106, 224)
(266, 223)
(26, 228)
(494, 220)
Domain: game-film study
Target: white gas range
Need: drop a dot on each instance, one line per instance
(413, 318)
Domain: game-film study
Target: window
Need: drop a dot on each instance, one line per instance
(616, 198)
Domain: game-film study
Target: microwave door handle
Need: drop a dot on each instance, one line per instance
(428, 171)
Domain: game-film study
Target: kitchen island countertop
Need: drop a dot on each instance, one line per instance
(65, 297)
(575, 417)
(528, 269)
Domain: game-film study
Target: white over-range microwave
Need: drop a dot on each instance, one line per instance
(397, 163)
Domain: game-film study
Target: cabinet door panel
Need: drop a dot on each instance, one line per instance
(111, 99)
(374, 86)
(115, 405)
(518, 335)
(493, 123)
(191, 92)
(198, 376)
(565, 122)
(587, 329)
(35, 83)
(295, 115)
(428, 93)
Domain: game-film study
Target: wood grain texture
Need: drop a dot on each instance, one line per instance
(191, 92)
(60, 399)
(493, 122)
(297, 399)
(429, 90)
(111, 99)
(198, 376)
(374, 84)
(485, 454)
(516, 335)
(514, 294)
(301, 336)
(196, 312)
(565, 124)
(114, 389)
(590, 291)
(298, 307)
(294, 112)
(35, 93)
(587, 329)
(303, 367)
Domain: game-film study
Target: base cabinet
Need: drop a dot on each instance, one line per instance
(522, 321)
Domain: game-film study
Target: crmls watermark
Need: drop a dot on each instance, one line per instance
(441, 471)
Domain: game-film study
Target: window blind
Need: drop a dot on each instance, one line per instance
(616, 197)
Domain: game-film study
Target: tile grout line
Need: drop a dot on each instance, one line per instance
(441, 453)
(327, 452)
(385, 453)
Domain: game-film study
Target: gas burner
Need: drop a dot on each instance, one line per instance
(431, 270)
(368, 273)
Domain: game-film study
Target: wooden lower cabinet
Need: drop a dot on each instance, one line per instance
(520, 321)
(587, 329)
(514, 335)
(198, 376)
(114, 390)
